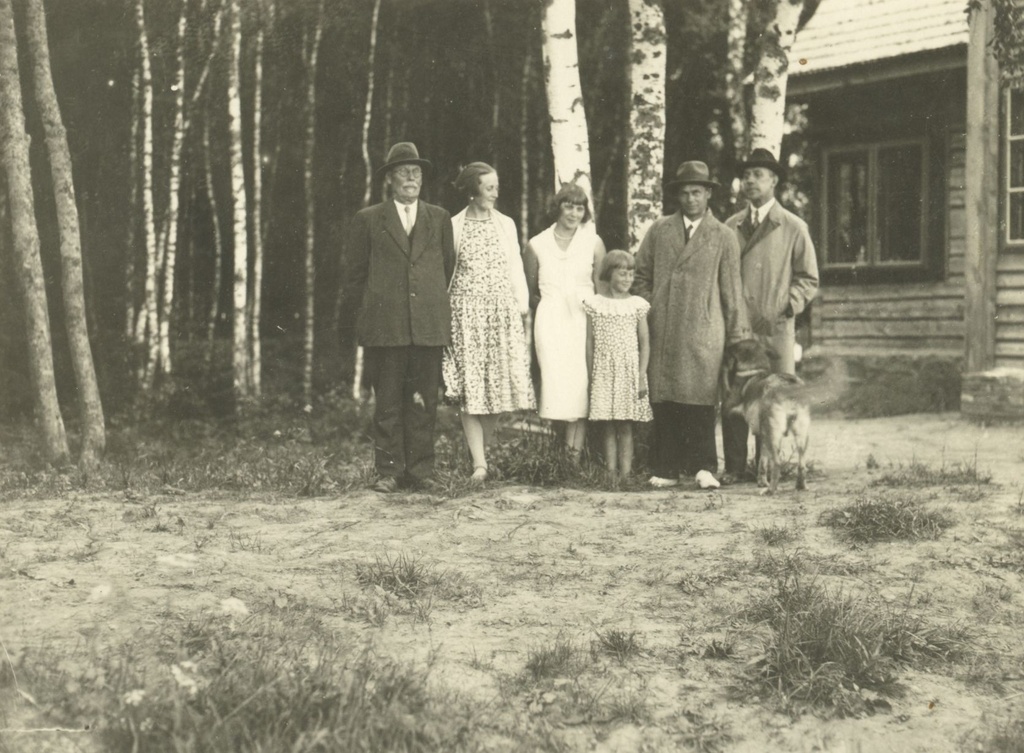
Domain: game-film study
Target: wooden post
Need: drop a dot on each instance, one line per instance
(982, 193)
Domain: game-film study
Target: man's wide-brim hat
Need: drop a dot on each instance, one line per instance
(402, 153)
(693, 171)
(763, 158)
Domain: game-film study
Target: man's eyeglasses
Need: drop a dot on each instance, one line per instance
(407, 171)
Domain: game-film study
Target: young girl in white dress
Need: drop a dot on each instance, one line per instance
(618, 350)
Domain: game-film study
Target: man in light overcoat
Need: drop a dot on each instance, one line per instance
(688, 268)
(400, 259)
(780, 278)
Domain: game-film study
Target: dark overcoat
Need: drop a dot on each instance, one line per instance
(401, 280)
(696, 306)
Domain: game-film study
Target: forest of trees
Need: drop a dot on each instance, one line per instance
(179, 175)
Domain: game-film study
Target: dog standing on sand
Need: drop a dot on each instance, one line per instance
(774, 406)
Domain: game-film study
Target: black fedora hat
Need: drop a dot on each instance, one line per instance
(402, 153)
(763, 158)
(693, 171)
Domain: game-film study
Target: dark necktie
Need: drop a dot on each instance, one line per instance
(687, 232)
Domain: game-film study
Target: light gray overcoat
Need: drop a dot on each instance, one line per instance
(696, 306)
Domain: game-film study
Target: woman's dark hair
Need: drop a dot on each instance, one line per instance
(468, 182)
(616, 259)
(570, 193)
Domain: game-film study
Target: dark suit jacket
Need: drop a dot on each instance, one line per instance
(401, 280)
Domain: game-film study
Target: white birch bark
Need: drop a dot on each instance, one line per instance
(357, 379)
(147, 319)
(736, 48)
(646, 117)
(312, 48)
(218, 245)
(14, 156)
(570, 144)
(239, 212)
(768, 110)
(256, 298)
(133, 204)
(524, 148)
(170, 233)
(72, 287)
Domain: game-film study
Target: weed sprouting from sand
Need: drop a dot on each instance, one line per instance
(872, 519)
(400, 574)
(561, 657)
(826, 646)
(917, 474)
(774, 534)
(619, 644)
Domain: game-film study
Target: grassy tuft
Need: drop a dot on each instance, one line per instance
(775, 535)
(619, 644)
(918, 474)
(826, 646)
(882, 519)
(561, 658)
(261, 684)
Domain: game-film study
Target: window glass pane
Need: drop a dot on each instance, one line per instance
(900, 203)
(1016, 207)
(1017, 112)
(848, 208)
(1017, 164)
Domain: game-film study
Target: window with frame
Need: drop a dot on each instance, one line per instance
(1015, 166)
(875, 206)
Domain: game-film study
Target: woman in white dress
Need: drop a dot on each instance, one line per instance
(487, 367)
(562, 266)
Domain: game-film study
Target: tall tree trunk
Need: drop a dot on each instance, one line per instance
(256, 298)
(357, 380)
(89, 406)
(25, 234)
(218, 245)
(737, 43)
(646, 118)
(524, 146)
(495, 85)
(170, 232)
(147, 319)
(768, 111)
(570, 144)
(239, 323)
(312, 47)
(133, 203)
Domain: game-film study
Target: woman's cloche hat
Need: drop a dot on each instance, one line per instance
(693, 171)
(402, 153)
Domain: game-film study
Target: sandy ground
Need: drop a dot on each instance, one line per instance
(530, 564)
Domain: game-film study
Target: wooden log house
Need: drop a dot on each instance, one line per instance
(916, 197)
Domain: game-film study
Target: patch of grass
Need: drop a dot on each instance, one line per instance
(259, 684)
(542, 460)
(402, 575)
(871, 520)
(917, 474)
(720, 649)
(706, 734)
(560, 658)
(774, 534)
(999, 736)
(827, 646)
(619, 644)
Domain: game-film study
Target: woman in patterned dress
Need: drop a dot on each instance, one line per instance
(562, 264)
(618, 351)
(487, 367)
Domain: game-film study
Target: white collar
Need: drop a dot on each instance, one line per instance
(401, 208)
(762, 211)
(692, 224)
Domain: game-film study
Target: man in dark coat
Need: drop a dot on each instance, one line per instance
(780, 278)
(688, 268)
(400, 259)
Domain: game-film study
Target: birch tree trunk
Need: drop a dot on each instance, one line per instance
(646, 117)
(768, 110)
(312, 47)
(357, 379)
(495, 86)
(170, 232)
(239, 212)
(89, 406)
(218, 245)
(133, 204)
(147, 319)
(25, 235)
(570, 144)
(524, 147)
(737, 43)
(256, 298)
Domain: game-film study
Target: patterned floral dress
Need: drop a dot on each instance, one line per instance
(487, 367)
(615, 376)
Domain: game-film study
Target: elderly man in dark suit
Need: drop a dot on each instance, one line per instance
(400, 259)
(780, 278)
(688, 268)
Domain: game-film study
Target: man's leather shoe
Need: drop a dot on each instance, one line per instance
(385, 485)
